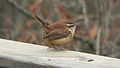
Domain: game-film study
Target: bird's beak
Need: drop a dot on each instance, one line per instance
(74, 27)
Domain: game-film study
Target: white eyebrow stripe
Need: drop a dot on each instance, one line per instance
(69, 24)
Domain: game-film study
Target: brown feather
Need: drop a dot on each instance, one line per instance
(45, 27)
(54, 35)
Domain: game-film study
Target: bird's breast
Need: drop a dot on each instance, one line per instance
(60, 41)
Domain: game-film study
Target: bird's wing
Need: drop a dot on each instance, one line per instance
(54, 35)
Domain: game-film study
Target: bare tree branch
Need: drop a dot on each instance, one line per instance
(99, 4)
(107, 19)
(86, 18)
(21, 9)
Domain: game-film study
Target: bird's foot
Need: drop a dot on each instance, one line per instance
(58, 48)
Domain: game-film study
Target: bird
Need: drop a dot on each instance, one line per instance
(58, 33)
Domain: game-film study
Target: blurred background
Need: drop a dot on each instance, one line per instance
(98, 32)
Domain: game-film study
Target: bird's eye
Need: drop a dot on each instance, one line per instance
(70, 25)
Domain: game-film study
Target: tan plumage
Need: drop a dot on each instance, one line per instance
(57, 33)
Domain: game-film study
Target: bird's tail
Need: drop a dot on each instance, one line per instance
(45, 26)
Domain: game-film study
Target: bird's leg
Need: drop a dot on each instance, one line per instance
(57, 48)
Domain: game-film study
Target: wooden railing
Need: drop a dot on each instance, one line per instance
(23, 55)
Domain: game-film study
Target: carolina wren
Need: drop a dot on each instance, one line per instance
(57, 33)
